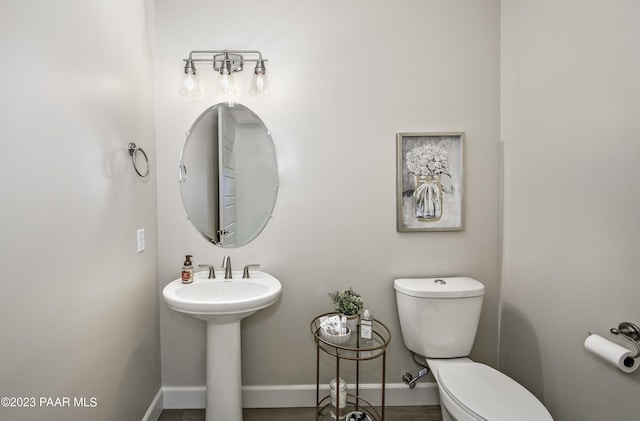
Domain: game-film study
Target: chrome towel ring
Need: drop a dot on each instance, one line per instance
(133, 150)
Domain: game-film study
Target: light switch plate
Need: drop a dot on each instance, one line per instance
(140, 237)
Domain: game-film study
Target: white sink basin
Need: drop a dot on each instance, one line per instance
(221, 299)
(223, 303)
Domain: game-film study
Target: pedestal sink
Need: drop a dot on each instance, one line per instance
(223, 303)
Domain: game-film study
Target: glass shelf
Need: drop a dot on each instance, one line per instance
(355, 348)
(354, 403)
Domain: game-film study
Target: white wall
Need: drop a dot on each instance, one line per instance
(79, 306)
(345, 78)
(570, 101)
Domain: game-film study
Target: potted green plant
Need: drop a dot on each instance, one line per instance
(348, 303)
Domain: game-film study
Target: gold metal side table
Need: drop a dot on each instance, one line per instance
(353, 350)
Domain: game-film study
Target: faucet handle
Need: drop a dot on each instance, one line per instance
(212, 272)
(245, 272)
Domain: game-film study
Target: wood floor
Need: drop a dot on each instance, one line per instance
(392, 413)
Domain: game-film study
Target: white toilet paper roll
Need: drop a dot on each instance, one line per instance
(612, 353)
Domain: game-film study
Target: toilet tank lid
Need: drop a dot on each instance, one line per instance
(445, 287)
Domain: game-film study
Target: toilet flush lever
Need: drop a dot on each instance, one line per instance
(440, 281)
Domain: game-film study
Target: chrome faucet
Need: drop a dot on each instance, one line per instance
(226, 264)
(212, 272)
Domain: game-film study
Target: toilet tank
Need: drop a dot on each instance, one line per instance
(439, 316)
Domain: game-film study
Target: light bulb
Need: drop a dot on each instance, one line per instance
(259, 85)
(190, 86)
(259, 81)
(226, 88)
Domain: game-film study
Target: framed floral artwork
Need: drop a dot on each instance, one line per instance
(430, 179)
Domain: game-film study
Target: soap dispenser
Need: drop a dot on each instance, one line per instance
(366, 328)
(187, 270)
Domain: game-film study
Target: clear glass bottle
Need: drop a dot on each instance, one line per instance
(338, 399)
(366, 329)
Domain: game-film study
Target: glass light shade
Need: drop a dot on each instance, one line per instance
(190, 85)
(226, 88)
(259, 85)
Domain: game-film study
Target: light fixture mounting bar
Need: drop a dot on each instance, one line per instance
(217, 57)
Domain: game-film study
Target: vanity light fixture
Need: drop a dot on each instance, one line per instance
(225, 63)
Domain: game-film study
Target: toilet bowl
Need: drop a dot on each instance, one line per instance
(439, 319)
(471, 391)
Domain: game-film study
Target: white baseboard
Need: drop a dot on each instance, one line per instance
(184, 397)
(156, 407)
(289, 396)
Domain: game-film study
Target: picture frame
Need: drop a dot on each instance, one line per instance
(430, 181)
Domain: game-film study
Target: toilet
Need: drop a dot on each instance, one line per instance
(439, 319)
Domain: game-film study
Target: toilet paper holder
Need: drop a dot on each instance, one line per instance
(631, 332)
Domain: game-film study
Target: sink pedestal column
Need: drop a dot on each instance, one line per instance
(224, 374)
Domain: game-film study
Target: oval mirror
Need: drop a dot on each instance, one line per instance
(229, 175)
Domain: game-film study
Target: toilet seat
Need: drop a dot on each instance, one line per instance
(488, 395)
